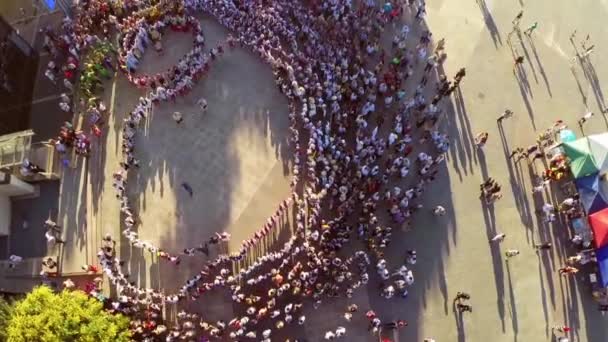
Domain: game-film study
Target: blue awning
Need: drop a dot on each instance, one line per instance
(50, 4)
(602, 263)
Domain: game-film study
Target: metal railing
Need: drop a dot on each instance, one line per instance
(14, 148)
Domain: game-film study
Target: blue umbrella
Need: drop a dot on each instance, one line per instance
(592, 190)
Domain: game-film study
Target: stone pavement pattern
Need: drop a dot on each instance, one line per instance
(516, 301)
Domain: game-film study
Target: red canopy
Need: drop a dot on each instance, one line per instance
(599, 225)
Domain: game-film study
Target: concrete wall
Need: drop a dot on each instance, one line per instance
(5, 215)
(13, 186)
(10, 186)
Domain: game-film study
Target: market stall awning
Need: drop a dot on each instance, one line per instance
(593, 191)
(602, 263)
(581, 158)
(599, 225)
(566, 135)
(599, 150)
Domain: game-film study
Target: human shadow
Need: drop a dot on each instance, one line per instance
(518, 187)
(591, 75)
(490, 23)
(522, 78)
(540, 66)
(459, 319)
(583, 59)
(512, 301)
(459, 127)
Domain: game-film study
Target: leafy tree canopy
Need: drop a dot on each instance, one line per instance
(67, 316)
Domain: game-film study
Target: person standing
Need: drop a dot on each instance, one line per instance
(52, 238)
(68, 84)
(14, 260)
(439, 211)
(49, 74)
(177, 117)
(64, 106)
(202, 103)
(50, 224)
(64, 98)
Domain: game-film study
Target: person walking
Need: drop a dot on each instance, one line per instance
(481, 139)
(462, 296)
(568, 270)
(459, 76)
(507, 114)
(515, 152)
(543, 246)
(529, 30)
(439, 211)
(511, 253)
(464, 307)
(188, 188)
(561, 328)
(517, 19)
(498, 238)
(584, 118)
(519, 60)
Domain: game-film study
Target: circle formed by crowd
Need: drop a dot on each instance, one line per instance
(364, 137)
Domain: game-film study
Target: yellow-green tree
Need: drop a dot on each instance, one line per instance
(6, 311)
(46, 316)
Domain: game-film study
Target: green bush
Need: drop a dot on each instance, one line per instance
(67, 316)
(6, 311)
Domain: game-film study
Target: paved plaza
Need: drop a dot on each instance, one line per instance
(236, 159)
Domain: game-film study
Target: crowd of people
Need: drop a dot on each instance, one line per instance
(359, 113)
